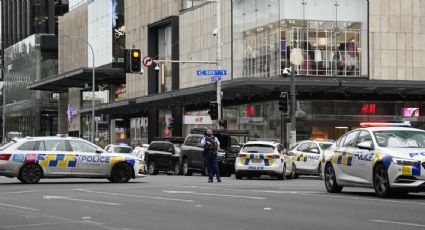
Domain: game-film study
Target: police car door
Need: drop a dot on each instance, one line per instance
(313, 157)
(55, 157)
(301, 155)
(344, 156)
(90, 163)
(362, 158)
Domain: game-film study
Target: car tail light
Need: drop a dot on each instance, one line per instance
(242, 155)
(5, 156)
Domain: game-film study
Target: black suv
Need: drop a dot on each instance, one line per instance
(191, 156)
(164, 156)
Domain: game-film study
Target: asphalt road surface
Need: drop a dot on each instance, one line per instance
(179, 202)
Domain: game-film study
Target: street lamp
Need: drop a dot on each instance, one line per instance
(93, 120)
(4, 104)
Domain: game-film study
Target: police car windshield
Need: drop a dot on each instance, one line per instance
(258, 148)
(325, 145)
(400, 138)
(123, 150)
(7, 145)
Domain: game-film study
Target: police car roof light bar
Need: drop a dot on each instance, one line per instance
(385, 124)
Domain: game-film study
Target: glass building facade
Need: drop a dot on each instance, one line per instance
(28, 112)
(321, 37)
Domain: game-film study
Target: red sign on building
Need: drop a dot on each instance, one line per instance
(368, 108)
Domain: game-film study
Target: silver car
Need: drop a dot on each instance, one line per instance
(32, 158)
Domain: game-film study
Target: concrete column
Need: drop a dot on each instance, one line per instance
(112, 132)
(62, 116)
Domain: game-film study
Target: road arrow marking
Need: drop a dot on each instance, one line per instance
(80, 200)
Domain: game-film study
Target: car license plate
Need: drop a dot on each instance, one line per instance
(257, 161)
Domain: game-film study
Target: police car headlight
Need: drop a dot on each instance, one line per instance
(404, 162)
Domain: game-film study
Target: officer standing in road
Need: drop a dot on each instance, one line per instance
(211, 145)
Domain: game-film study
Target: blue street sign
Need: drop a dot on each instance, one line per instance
(216, 78)
(216, 72)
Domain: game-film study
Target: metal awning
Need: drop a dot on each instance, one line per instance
(78, 78)
(248, 90)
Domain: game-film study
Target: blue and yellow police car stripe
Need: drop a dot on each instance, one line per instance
(257, 156)
(342, 157)
(57, 160)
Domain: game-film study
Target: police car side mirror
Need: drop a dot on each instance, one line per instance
(365, 145)
(316, 151)
(99, 151)
(290, 153)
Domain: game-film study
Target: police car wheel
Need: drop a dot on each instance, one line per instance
(295, 175)
(30, 173)
(330, 180)
(152, 168)
(319, 171)
(381, 184)
(121, 173)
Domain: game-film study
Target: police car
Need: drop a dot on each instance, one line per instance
(389, 159)
(258, 158)
(307, 157)
(32, 158)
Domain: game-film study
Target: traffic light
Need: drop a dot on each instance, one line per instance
(213, 112)
(133, 60)
(283, 103)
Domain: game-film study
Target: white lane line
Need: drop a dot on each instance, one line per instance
(79, 200)
(398, 223)
(362, 198)
(38, 224)
(216, 194)
(19, 192)
(19, 207)
(138, 196)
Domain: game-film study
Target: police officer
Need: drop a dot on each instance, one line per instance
(211, 145)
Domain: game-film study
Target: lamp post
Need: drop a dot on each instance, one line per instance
(93, 119)
(4, 104)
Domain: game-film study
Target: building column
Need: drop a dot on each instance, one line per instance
(177, 113)
(153, 126)
(62, 113)
(112, 131)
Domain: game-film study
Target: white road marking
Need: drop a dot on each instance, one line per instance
(138, 196)
(363, 198)
(268, 209)
(37, 225)
(216, 194)
(398, 223)
(80, 200)
(19, 192)
(19, 207)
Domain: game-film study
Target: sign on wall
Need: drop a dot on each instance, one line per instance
(197, 120)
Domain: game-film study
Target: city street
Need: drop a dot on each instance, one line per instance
(179, 202)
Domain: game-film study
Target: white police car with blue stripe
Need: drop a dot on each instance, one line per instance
(32, 158)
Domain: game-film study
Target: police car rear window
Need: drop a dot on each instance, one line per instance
(325, 145)
(28, 145)
(258, 148)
